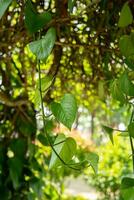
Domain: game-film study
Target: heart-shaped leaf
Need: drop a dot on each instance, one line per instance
(65, 148)
(43, 47)
(33, 20)
(3, 6)
(65, 111)
(93, 159)
(126, 16)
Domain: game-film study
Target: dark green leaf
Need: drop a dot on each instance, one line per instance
(3, 6)
(126, 46)
(71, 5)
(43, 47)
(131, 129)
(15, 169)
(129, 63)
(65, 148)
(66, 110)
(109, 131)
(33, 20)
(18, 146)
(127, 188)
(126, 16)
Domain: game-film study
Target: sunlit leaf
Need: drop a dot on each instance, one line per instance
(3, 6)
(43, 47)
(33, 20)
(65, 111)
(93, 159)
(126, 16)
(65, 148)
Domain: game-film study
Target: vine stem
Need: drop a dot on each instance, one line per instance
(131, 139)
(44, 123)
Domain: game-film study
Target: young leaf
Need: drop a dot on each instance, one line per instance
(131, 129)
(127, 188)
(126, 85)
(43, 47)
(33, 20)
(3, 6)
(93, 160)
(109, 131)
(65, 111)
(126, 16)
(71, 5)
(65, 148)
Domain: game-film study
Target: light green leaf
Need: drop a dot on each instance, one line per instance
(109, 131)
(101, 90)
(131, 129)
(43, 47)
(3, 6)
(126, 85)
(126, 16)
(65, 111)
(116, 91)
(33, 20)
(93, 160)
(127, 188)
(65, 148)
(126, 45)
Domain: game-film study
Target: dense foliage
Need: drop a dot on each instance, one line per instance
(50, 49)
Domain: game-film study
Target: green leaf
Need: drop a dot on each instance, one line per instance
(15, 169)
(126, 45)
(65, 148)
(129, 63)
(127, 188)
(131, 129)
(71, 5)
(116, 92)
(93, 160)
(45, 84)
(126, 16)
(33, 20)
(109, 131)
(43, 47)
(19, 147)
(3, 6)
(126, 85)
(65, 111)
